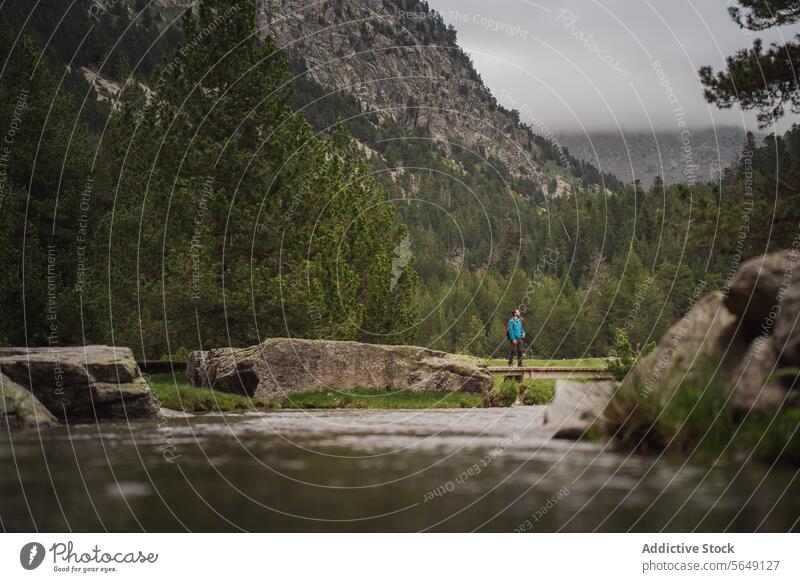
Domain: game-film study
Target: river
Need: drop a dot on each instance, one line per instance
(492, 469)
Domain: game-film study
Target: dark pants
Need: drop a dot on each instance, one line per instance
(515, 348)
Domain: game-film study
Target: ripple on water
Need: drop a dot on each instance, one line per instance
(345, 463)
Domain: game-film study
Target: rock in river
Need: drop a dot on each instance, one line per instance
(83, 382)
(21, 409)
(576, 406)
(280, 366)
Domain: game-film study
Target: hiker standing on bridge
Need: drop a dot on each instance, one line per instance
(516, 337)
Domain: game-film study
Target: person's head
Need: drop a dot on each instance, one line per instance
(516, 313)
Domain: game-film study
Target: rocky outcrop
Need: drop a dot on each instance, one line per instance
(400, 60)
(576, 406)
(747, 336)
(281, 366)
(82, 383)
(19, 408)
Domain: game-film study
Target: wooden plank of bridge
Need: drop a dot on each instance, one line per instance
(565, 373)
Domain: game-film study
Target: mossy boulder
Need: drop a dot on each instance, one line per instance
(708, 329)
(746, 336)
(82, 383)
(19, 408)
(281, 366)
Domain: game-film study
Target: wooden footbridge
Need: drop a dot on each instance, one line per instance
(566, 373)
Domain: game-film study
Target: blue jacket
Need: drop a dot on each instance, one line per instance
(514, 328)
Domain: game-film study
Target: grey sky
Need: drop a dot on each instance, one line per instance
(589, 64)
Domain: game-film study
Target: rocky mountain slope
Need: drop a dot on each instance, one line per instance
(390, 67)
(400, 60)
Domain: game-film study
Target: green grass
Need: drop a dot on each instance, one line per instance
(538, 391)
(574, 362)
(503, 393)
(380, 398)
(534, 391)
(177, 393)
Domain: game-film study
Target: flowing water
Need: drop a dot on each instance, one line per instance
(371, 470)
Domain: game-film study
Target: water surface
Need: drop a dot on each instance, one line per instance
(371, 470)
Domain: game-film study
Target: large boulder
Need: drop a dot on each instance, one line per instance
(765, 297)
(754, 388)
(19, 408)
(281, 366)
(576, 406)
(708, 331)
(748, 335)
(710, 335)
(765, 294)
(759, 288)
(787, 330)
(82, 383)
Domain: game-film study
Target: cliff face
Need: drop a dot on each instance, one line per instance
(401, 62)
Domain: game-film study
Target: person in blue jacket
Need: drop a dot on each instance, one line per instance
(516, 337)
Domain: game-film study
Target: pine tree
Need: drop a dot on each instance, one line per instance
(758, 79)
(249, 224)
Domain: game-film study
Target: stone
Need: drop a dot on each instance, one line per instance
(758, 289)
(753, 388)
(19, 408)
(82, 383)
(747, 336)
(281, 366)
(571, 430)
(765, 294)
(709, 330)
(787, 329)
(196, 368)
(576, 406)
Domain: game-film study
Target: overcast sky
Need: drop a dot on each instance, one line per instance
(577, 65)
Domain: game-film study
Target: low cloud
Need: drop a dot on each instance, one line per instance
(589, 64)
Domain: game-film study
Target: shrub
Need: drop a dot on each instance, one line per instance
(538, 391)
(624, 358)
(179, 355)
(503, 393)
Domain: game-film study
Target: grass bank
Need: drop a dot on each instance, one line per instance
(380, 398)
(533, 391)
(177, 393)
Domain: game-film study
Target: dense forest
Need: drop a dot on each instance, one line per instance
(204, 212)
(219, 199)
